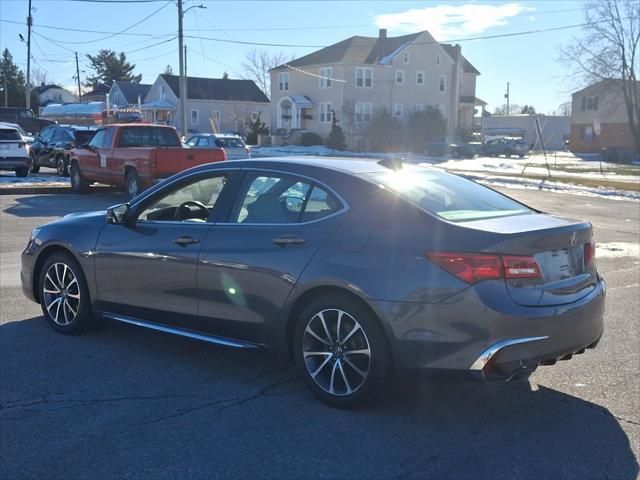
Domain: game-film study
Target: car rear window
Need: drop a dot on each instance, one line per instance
(148, 137)
(229, 142)
(448, 196)
(8, 134)
(83, 136)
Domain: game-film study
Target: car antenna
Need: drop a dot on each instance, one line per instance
(394, 163)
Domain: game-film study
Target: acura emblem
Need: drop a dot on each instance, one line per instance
(574, 237)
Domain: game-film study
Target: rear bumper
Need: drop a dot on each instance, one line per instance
(483, 332)
(13, 162)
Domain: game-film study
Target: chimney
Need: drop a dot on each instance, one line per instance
(382, 34)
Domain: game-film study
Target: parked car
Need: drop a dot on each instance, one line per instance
(233, 145)
(53, 146)
(25, 136)
(134, 156)
(14, 154)
(506, 146)
(446, 274)
(453, 147)
(25, 118)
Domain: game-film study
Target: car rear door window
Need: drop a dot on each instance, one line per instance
(281, 199)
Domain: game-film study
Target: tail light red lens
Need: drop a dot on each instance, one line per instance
(468, 267)
(475, 267)
(589, 253)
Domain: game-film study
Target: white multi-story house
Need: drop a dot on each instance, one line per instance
(361, 75)
(224, 103)
(48, 94)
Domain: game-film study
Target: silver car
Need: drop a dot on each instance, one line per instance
(232, 145)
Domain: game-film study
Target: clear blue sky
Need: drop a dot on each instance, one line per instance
(529, 62)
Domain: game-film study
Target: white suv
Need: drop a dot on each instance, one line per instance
(14, 154)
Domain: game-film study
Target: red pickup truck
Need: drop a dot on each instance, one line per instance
(134, 156)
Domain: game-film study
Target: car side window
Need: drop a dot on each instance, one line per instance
(108, 137)
(281, 200)
(97, 139)
(47, 134)
(192, 202)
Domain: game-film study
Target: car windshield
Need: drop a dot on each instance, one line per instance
(448, 196)
(229, 142)
(148, 137)
(8, 134)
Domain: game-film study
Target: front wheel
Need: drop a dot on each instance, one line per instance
(64, 295)
(22, 172)
(341, 351)
(134, 184)
(78, 183)
(34, 168)
(61, 166)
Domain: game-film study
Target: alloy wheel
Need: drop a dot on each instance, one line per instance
(336, 352)
(61, 294)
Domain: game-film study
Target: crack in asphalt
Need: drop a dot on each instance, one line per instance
(224, 403)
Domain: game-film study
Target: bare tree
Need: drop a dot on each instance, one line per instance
(257, 65)
(564, 109)
(502, 109)
(39, 77)
(168, 70)
(609, 50)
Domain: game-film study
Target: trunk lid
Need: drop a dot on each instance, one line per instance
(558, 246)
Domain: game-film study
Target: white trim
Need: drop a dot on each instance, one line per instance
(283, 81)
(398, 108)
(424, 77)
(364, 71)
(197, 117)
(442, 83)
(325, 75)
(325, 112)
(405, 57)
(364, 110)
(395, 79)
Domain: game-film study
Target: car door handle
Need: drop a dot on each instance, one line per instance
(284, 241)
(186, 240)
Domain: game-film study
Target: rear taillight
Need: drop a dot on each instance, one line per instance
(520, 267)
(589, 253)
(476, 267)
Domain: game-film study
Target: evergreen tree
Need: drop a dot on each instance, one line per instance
(225, 76)
(336, 138)
(110, 66)
(12, 78)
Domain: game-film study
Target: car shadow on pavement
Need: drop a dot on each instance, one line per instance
(58, 205)
(153, 406)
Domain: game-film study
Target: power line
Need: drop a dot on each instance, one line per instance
(82, 30)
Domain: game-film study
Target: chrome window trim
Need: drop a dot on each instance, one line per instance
(491, 351)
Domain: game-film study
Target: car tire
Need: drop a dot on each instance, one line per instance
(34, 168)
(455, 154)
(78, 183)
(508, 153)
(22, 172)
(64, 295)
(61, 166)
(133, 184)
(340, 373)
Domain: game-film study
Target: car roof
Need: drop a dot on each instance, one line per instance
(7, 126)
(348, 165)
(216, 135)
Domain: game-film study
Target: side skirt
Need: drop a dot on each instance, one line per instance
(227, 342)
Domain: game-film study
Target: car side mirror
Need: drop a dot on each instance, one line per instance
(117, 215)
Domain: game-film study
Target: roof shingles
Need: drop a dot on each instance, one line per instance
(217, 89)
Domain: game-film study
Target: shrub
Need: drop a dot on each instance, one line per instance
(336, 138)
(308, 139)
(423, 127)
(384, 132)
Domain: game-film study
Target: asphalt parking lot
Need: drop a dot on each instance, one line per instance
(125, 402)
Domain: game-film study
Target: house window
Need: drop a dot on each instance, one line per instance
(161, 92)
(363, 112)
(442, 83)
(254, 116)
(406, 57)
(420, 78)
(215, 116)
(325, 77)
(364, 77)
(437, 59)
(194, 117)
(283, 81)
(590, 103)
(586, 133)
(419, 107)
(325, 112)
(399, 77)
(397, 110)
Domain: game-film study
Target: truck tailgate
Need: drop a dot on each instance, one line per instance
(173, 160)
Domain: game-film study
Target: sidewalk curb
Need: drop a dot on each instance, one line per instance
(35, 190)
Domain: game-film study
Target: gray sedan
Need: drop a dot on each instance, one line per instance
(355, 269)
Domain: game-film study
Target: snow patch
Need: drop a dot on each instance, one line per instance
(617, 250)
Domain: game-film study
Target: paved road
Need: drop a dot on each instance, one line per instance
(124, 402)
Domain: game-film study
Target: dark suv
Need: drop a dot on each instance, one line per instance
(53, 146)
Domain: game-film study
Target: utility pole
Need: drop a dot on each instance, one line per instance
(182, 79)
(506, 95)
(29, 24)
(78, 79)
(185, 62)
